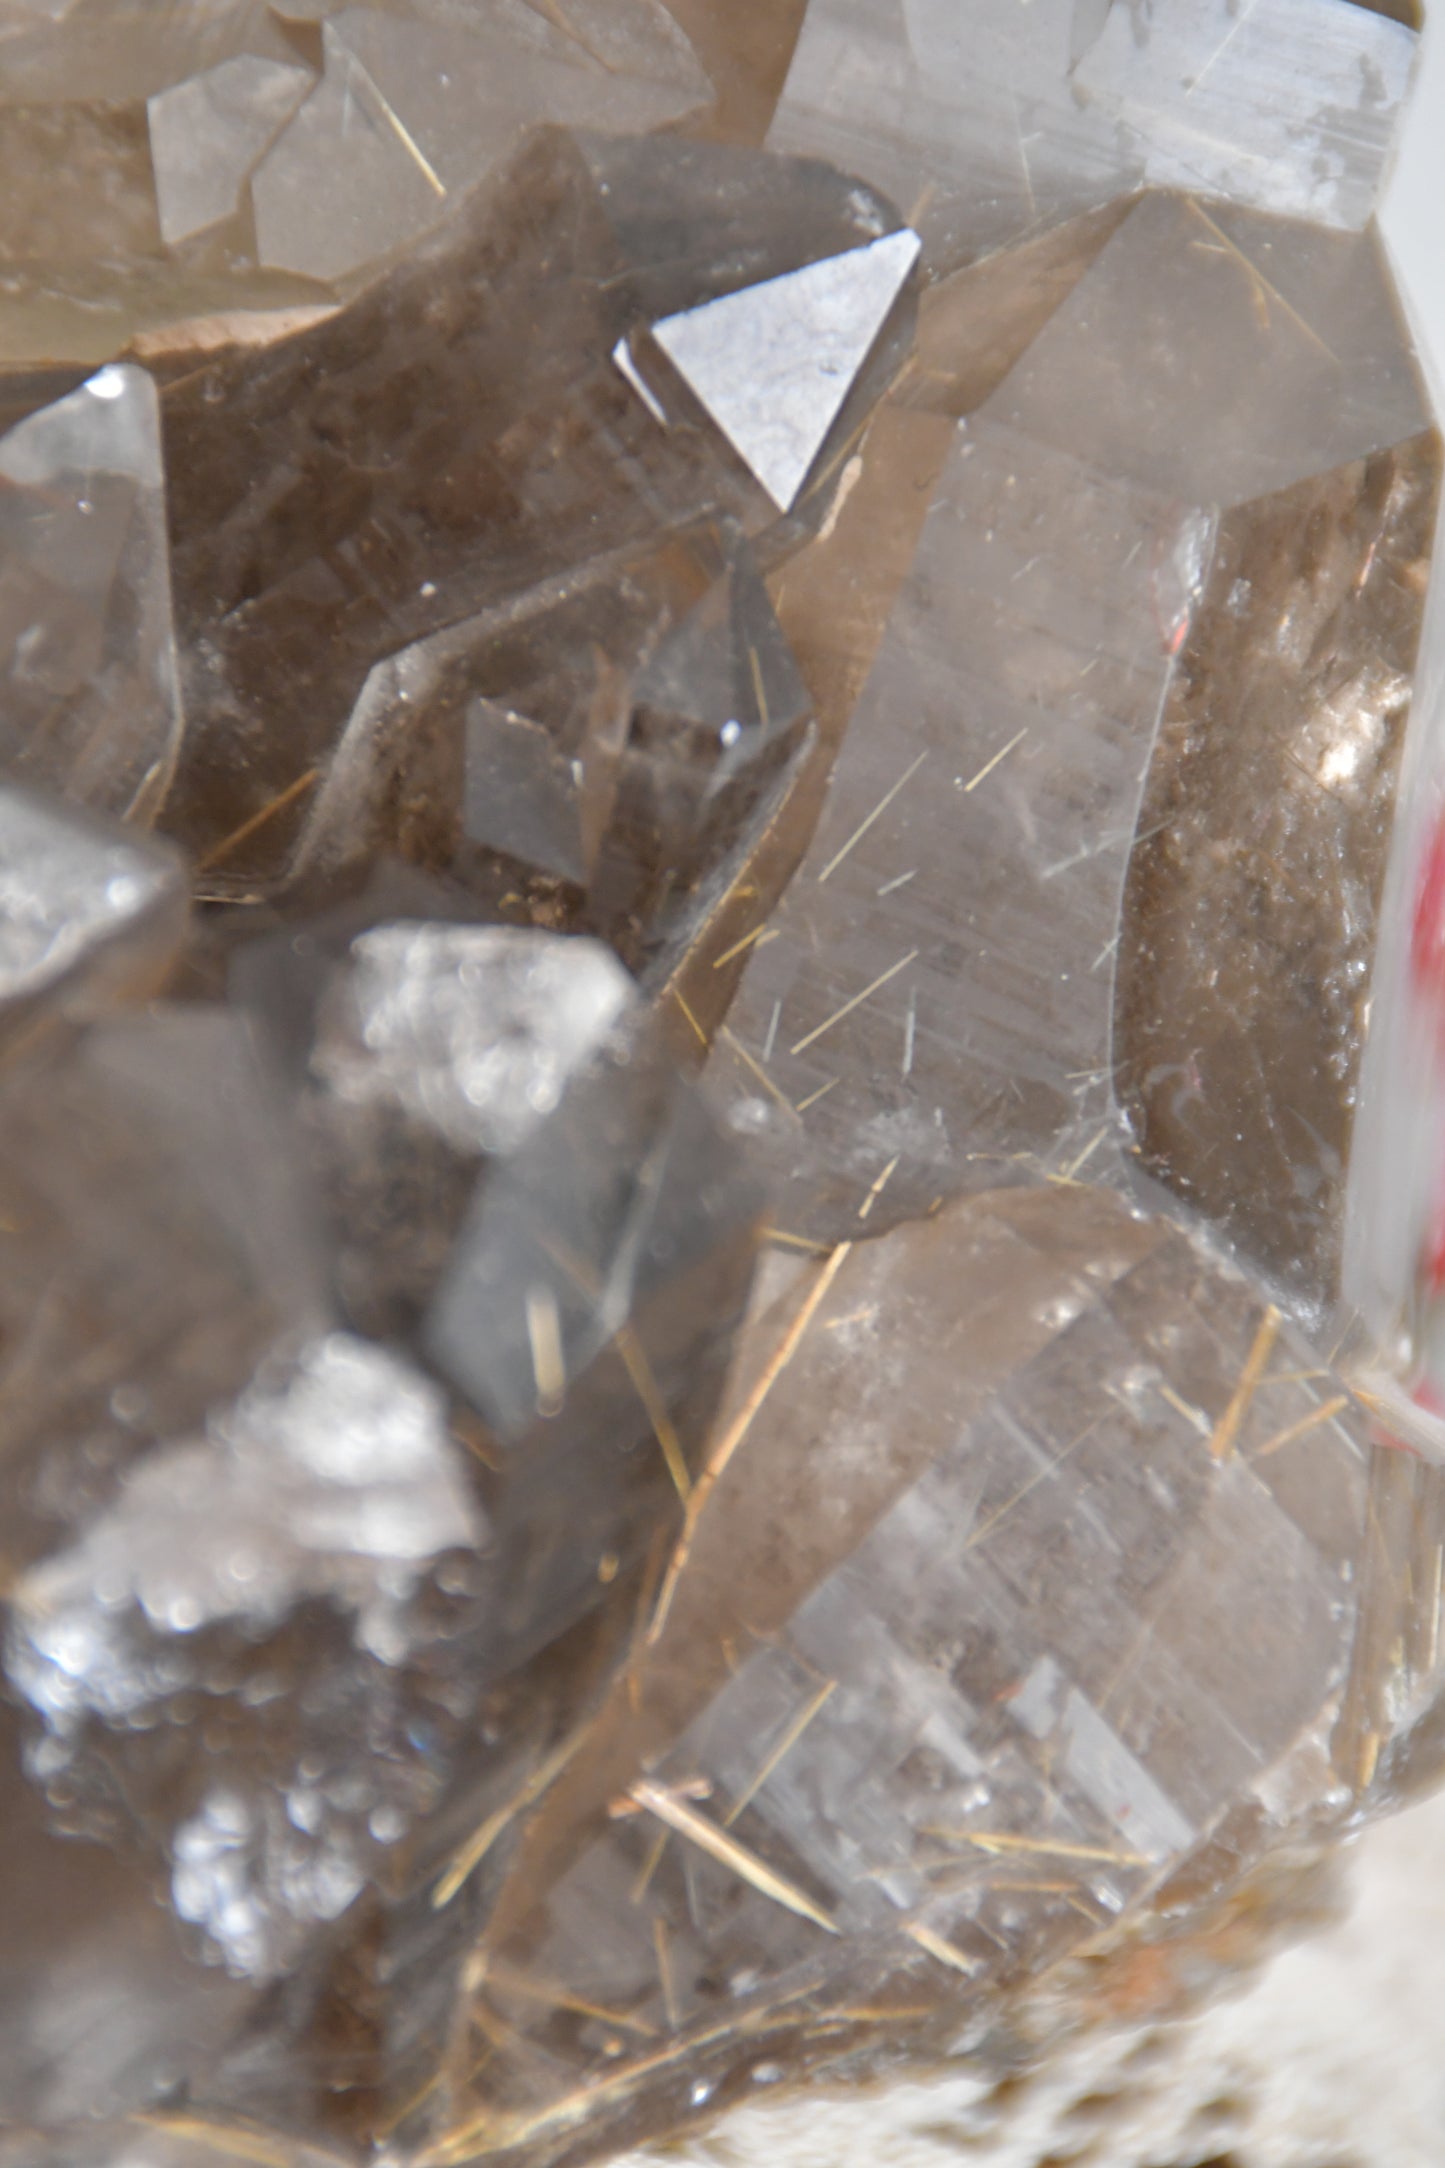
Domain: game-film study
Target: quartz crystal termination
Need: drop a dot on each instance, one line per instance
(604, 748)
(209, 132)
(755, 358)
(508, 1670)
(441, 473)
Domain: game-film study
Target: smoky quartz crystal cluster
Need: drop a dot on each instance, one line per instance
(722, 1040)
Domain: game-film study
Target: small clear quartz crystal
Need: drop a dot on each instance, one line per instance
(86, 629)
(720, 977)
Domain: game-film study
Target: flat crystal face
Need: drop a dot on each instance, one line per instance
(1006, 122)
(93, 705)
(773, 363)
(87, 911)
(720, 971)
(1007, 1799)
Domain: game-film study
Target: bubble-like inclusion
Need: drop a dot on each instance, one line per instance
(332, 1485)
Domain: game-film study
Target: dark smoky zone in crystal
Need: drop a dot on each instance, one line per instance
(1409, 12)
(1250, 916)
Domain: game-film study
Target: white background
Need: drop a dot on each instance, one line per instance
(1413, 215)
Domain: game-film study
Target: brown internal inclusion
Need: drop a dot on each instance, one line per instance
(1253, 897)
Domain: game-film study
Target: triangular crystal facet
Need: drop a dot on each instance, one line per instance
(774, 363)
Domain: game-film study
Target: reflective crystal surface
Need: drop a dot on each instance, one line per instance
(92, 703)
(722, 937)
(918, 1030)
(1007, 119)
(433, 1048)
(409, 113)
(587, 1314)
(89, 913)
(773, 363)
(1076, 590)
(963, 1714)
(208, 133)
(592, 754)
(332, 1488)
(424, 477)
(471, 1030)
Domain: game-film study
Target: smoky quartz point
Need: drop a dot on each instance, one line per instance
(722, 957)
(458, 437)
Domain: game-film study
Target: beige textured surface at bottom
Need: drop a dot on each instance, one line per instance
(1331, 2057)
